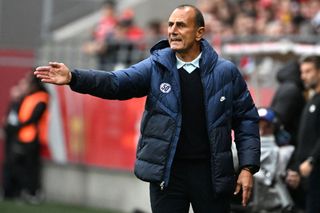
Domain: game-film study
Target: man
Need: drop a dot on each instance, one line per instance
(194, 99)
(308, 149)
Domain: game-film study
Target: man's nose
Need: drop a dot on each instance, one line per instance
(172, 29)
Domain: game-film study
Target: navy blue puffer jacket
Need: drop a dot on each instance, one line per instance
(228, 106)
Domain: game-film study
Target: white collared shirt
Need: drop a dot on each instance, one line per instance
(189, 66)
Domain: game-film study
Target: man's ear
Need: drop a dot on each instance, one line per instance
(200, 33)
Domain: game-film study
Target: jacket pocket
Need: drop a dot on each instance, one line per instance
(159, 126)
(157, 131)
(154, 146)
(223, 172)
(224, 178)
(144, 121)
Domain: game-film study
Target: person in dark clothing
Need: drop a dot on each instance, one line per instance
(308, 148)
(289, 100)
(107, 23)
(194, 100)
(11, 127)
(288, 103)
(118, 48)
(23, 159)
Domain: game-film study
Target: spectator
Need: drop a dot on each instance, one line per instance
(122, 46)
(134, 33)
(154, 32)
(244, 25)
(107, 22)
(106, 25)
(118, 49)
(271, 192)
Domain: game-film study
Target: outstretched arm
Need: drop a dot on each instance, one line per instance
(121, 84)
(54, 73)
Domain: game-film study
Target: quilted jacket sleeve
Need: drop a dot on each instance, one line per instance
(121, 84)
(245, 124)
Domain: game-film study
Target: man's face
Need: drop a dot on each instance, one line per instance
(309, 75)
(183, 34)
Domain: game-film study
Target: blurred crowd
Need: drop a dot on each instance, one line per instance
(116, 38)
(117, 41)
(261, 17)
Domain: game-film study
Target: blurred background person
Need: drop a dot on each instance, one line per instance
(26, 130)
(118, 41)
(124, 45)
(154, 32)
(105, 26)
(11, 127)
(307, 155)
(271, 193)
(288, 102)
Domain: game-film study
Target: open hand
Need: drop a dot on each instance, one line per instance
(54, 73)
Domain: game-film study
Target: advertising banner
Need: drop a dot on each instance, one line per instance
(97, 132)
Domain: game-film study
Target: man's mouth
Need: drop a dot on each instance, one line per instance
(175, 39)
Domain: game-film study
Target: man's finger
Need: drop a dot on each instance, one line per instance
(246, 196)
(41, 76)
(42, 68)
(54, 64)
(238, 187)
(41, 72)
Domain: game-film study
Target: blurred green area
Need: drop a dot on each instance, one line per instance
(20, 207)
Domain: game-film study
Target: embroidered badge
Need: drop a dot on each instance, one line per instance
(165, 87)
(312, 108)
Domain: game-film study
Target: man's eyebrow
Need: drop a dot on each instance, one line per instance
(177, 22)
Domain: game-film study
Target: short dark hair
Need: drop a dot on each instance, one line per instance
(312, 59)
(199, 20)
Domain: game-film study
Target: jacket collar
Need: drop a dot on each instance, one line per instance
(163, 54)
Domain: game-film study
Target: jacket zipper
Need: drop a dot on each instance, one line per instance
(165, 181)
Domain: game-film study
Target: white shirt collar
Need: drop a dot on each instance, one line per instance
(189, 66)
